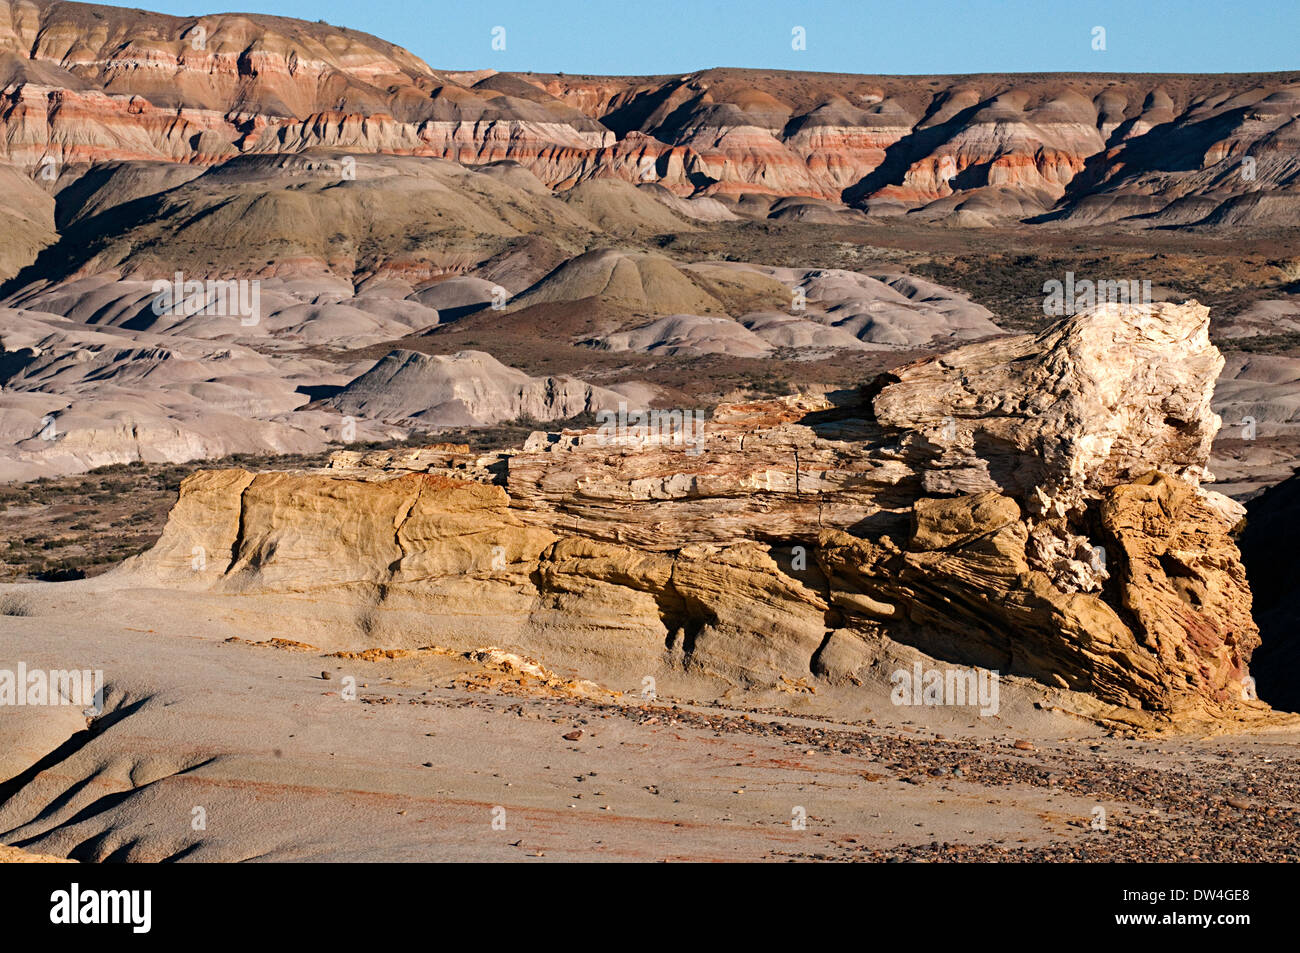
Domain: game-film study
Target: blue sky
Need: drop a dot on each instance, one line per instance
(632, 37)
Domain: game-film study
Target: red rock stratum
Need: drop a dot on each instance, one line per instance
(86, 84)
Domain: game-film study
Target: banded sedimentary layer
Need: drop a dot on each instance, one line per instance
(87, 84)
(1032, 505)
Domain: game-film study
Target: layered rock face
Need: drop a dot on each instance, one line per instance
(91, 84)
(1031, 505)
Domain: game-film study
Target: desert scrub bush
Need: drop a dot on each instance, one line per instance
(64, 570)
(12, 604)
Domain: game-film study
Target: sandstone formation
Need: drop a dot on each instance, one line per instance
(12, 855)
(1032, 505)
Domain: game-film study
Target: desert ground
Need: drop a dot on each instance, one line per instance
(202, 716)
(481, 466)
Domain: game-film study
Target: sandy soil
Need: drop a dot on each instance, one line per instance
(441, 757)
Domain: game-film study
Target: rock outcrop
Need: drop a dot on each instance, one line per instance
(12, 855)
(1032, 505)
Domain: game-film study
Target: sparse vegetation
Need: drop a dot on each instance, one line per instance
(80, 525)
(1261, 344)
(12, 604)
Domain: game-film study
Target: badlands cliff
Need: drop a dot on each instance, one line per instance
(89, 84)
(1032, 505)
